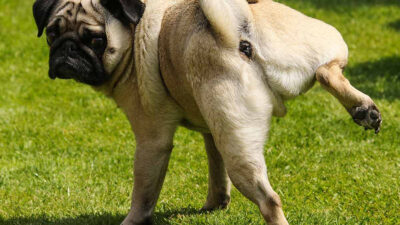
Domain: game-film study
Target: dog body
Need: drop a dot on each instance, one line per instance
(219, 67)
(285, 64)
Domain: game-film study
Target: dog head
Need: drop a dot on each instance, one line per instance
(87, 38)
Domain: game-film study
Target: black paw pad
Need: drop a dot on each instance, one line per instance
(368, 117)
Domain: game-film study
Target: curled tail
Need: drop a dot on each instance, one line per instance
(228, 19)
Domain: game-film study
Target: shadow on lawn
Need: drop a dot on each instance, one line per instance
(395, 25)
(347, 4)
(160, 218)
(378, 79)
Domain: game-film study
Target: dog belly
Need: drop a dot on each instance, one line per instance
(289, 84)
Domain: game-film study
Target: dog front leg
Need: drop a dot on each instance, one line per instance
(150, 166)
(219, 185)
(360, 106)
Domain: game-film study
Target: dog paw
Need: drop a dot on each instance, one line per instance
(368, 117)
(221, 204)
(129, 221)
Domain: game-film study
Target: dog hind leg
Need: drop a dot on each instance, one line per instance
(218, 182)
(238, 109)
(359, 105)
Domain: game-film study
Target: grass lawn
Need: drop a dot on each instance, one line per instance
(66, 152)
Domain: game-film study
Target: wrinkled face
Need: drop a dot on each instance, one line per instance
(87, 38)
(77, 39)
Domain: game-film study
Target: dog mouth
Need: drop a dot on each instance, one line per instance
(63, 72)
(70, 68)
(71, 59)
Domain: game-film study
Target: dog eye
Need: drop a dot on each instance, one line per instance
(51, 36)
(97, 42)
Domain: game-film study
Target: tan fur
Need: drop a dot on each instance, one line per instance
(151, 87)
(184, 68)
(226, 18)
(331, 78)
(219, 90)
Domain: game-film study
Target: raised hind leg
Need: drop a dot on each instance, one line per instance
(360, 106)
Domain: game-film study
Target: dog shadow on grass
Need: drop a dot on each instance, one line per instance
(160, 218)
(395, 25)
(379, 79)
(346, 4)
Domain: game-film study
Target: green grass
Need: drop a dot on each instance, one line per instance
(66, 152)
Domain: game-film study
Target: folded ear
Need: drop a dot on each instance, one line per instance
(127, 11)
(41, 13)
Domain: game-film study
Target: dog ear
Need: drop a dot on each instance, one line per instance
(127, 11)
(41, 13)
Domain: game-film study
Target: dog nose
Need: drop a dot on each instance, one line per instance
(70, 47)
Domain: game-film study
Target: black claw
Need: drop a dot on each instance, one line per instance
(378, 127)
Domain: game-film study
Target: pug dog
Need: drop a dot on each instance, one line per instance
(222, 68)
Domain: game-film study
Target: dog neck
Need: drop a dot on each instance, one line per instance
(123, 84)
